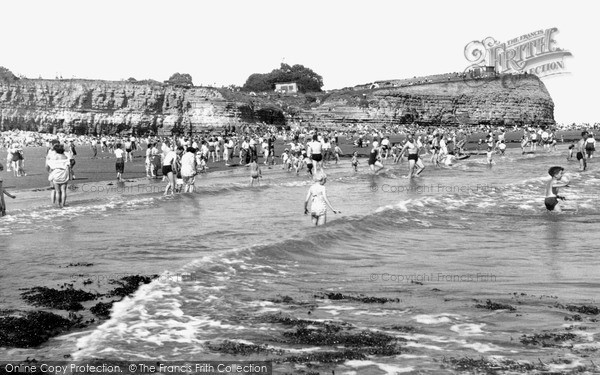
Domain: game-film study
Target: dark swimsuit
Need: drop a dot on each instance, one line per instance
(373, 157)
(551, 202)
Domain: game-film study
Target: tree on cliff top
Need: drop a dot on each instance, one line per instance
(178, 79)
(7, 76)
(306, 78)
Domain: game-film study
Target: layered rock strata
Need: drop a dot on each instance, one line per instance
(95, 107)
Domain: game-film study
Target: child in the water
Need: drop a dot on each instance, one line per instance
(355, 161)
(552, 187)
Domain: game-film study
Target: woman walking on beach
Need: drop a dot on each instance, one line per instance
(317, 195)
(59, 167)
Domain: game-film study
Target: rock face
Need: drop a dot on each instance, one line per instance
(110, 107)
(87, 107)
(503, 100)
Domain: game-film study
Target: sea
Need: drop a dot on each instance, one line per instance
(461, 265)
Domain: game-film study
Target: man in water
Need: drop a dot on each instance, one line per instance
(581, 154)
(316, 149)
(413, 156)
(552, 186)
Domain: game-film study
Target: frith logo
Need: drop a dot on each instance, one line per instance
(533, 53)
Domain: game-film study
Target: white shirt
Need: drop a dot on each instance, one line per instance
(119, 153)
(315, 147)
(165, 149)
(171, 155)
(188, 164)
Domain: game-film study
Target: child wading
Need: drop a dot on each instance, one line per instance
(552, 187)
(317, 197)
(255, 173)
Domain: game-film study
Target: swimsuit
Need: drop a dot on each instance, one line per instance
(373, 157)
(166, 169)
(550, 203)
(318, 206)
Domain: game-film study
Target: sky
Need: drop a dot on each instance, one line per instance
(346, 42)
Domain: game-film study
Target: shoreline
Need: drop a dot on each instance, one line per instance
(102, 168)
(36, 193)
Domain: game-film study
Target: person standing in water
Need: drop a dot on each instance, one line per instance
(581, 154)
(317, 195)
(375, 159)
(552, 186)
(255, 173)
(316, 149)
(412, 148)
(120, 163)
(169, 169)
(2, 194)
(59, 176)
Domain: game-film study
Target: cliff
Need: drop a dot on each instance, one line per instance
(83, 106)
(101, 106)
(503, 100)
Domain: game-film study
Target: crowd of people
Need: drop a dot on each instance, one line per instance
(179, 159)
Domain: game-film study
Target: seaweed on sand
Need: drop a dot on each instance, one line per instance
(345, 342)
(32, 329)
(324, 357)
(102, 309)
(547, 339)
(490, 366)
(235, 348)
(68, 299)
(359, 298)
(495, 306)
(588, 310)
(129, 284)
(290, 321)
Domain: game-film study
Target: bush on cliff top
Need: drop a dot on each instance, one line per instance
(7, 76)
(178, 79)
(307, 80)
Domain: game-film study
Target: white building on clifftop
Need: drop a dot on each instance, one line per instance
(286, 88)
